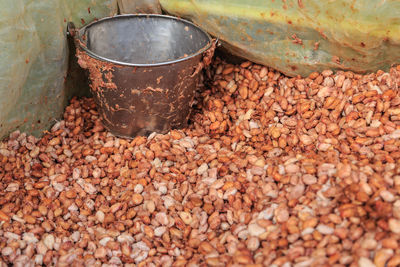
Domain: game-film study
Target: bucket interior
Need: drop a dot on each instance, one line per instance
(144, 39)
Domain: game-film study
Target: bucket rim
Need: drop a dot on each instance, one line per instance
(96, 56)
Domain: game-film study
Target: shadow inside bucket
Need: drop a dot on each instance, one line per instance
(144, 70)
(145, 40)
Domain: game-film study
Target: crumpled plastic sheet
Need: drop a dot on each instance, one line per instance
(139, 6)
(298, 37)
(34, 58)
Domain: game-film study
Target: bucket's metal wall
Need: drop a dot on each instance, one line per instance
(34, 59)
(153, 96)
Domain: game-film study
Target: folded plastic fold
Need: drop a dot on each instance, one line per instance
(302, 36)
(34, 58)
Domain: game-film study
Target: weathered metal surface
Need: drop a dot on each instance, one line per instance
(144, 89)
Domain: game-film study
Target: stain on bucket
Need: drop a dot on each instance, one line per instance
(143, 69)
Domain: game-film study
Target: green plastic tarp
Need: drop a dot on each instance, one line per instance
(298, 37)
(34, 59)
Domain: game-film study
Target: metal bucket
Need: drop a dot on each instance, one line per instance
(144, 70)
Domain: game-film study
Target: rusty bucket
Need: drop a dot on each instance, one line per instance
(143, 70)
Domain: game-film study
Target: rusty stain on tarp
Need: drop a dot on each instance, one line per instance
(362, 34)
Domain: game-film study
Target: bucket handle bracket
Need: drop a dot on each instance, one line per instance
(207, 57)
